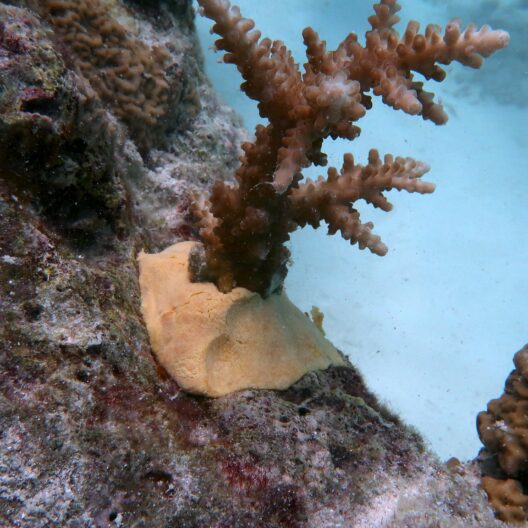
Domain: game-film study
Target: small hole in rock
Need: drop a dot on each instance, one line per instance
(82, 375)
(32, 311)
(158, 477)
(43, 106)
(303, 411)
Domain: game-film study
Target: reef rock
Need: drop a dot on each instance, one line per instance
(93, 433)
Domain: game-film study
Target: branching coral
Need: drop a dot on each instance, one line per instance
(128, 74)
(244, 226)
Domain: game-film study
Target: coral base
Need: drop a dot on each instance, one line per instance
(213, 343)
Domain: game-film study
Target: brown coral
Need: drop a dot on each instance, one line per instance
(506, 498)
(503, 429)
(46, 155)
(244, 227)
(127, 74)
(328, 199)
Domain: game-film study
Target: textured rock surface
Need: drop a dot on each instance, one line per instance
(92, 432)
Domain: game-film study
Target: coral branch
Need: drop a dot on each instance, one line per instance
(244, 226)
(385, 17)
(387, 63)
(331, 199)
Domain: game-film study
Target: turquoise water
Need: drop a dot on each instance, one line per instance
(434, 324)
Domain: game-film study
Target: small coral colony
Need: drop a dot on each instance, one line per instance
(244, 226)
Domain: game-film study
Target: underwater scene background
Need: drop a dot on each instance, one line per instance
(434, 324)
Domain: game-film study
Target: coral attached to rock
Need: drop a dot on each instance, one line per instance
(507, 498)
(244, 226)
(128, 74)
(46, 154)
(503, 429)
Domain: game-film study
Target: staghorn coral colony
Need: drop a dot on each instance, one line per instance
(244, 226)
(211, 308)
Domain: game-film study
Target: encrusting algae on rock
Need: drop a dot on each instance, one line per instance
(221, 321)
